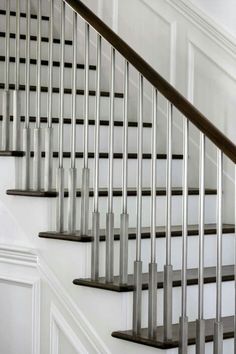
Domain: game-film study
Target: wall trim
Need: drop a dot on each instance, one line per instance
(34, 284)
(205, 24)
(14, 255)
(57, 323)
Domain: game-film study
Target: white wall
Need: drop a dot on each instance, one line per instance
(222, 12)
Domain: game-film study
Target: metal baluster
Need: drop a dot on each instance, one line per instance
(96, 213)
(137, 299)
(200, 323)
(152, 285)
(124, 218)
(6, 93)
(37, 130)
(73, 170)
(26, 130)
(85, 171)
(168, 269)
(110, 213)
(16, 96)
(60, 171)
(235, 260)
(218, 325)
(48, 132)
(183, 347)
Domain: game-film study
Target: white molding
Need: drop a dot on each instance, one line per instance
(205, 24)
(34, 284)
(18, 255)
(57, 324)
(73, 310)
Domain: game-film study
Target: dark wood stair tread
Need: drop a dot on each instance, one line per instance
(45, 62)
(158, 341)
(103, 122)
(23, 15)
(35, 38)
(210, 229)
(192, 279)
(103, 192)
(102, 155)
(33, 88)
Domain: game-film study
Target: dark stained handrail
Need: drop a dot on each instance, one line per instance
(163, 86)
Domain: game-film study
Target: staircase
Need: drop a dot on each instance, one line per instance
(90, 141)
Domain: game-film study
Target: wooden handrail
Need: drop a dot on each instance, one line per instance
(163, 86)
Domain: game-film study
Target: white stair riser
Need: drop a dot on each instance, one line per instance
(103, 166)
(209, 259)
(67, 105)
(104, 138)
(192, 296)
(44, 76)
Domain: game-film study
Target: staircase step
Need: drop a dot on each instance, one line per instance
(117, 192)
(192, 279)
(102, 155)
(35, 38)
(159, 342)
(66, 90)
(23, 15)
(193, 230)
(56, 64)
(102, 122)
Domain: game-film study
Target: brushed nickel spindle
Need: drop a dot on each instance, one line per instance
(85, 171)
(200, 323)
(60, 171)
(48, 131)
(137, 295)
(16, 95)
(218, 325)
(124, 218)
(96, 213)
(110, 213)
(6, 93)
(73, 170)
(37, 129)
(152, 284)
(26, 130)
(183, 346)
(168, 269)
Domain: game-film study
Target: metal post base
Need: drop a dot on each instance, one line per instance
(152, 300)
(48, 160)
(137, 298)
(200, 340)
(26, 159)
(72, 200)
(16, 121)
(60, 200)
(109, 247)
(95, 246)
(124, 224)
(85, 202)
(183, 335)
(168, 283)
(5, 120)
(218, 338)
(37, 160)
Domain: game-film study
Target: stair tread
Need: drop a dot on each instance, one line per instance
(102, 155)
(210, 229)
(23, 14)
(33, 88)
(56, 63)
(34, 38)
(158, 341)
(103, 192)
(192, 279)
(102, 122)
